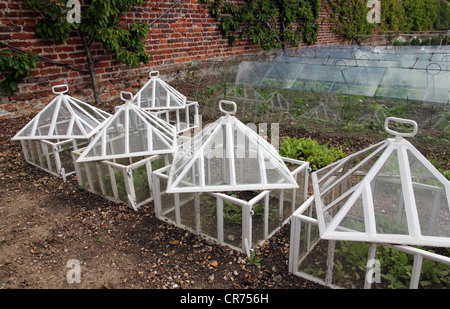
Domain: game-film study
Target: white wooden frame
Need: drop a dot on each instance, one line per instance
(180, 117)
(154, 125)
(300, 173)
(90, 177)
(171, 92)
(72, 105)
(202, 140)
(46, 155)
(331, 230)
(303, 220)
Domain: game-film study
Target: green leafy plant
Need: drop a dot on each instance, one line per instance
(16, 68)
(99, 22)
(349, 17)
(253, 259)
(307, 149)
(268, 23)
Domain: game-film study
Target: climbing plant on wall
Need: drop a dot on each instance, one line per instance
(349, 16)
(268, 23)
(15, 67)
(99, 21)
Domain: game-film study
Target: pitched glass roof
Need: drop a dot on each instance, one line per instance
(386, 193)
(227, 155)
(131, 132)
(64, 117)
(156, 94)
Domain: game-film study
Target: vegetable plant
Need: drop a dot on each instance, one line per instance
(307, 149)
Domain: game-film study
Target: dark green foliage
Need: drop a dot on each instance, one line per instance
(15, 67)
(99, 21)
(268, 23)
(349, 16)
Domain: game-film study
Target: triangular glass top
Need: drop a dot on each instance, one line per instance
(130, 132)
(157, 94)
(228, 156)
(388, 193)
(64, 117)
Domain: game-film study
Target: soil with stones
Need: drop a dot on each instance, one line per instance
(46, 222)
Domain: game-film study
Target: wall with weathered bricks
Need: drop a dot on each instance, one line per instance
(185, 33)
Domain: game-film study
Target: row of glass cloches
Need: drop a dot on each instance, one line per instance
(388, 193)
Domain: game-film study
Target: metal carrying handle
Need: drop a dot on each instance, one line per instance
(60, 86)
(127, 93)
(232, 112)
(154, 74)
(400, 120)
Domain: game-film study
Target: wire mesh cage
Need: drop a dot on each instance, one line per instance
(230, 185)
(66, 123)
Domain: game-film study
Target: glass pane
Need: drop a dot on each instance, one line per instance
(188, 214)
(388, 198)
(115, 132)
(138, 132)
(208, 215)
(354, 218)
(141, 182)
(431, 201)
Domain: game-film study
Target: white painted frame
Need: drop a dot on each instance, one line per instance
(331, 230)
(301, 171)
(263, 150)
(165, 131)
(171, 92)
(36, 153)
(86, 178)
(303, 217)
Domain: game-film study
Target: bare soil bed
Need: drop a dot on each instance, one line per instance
(45, 222)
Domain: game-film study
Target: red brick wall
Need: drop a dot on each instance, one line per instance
(185, 33)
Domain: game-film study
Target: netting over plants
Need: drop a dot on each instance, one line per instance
(387, 193)
(228, 156)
